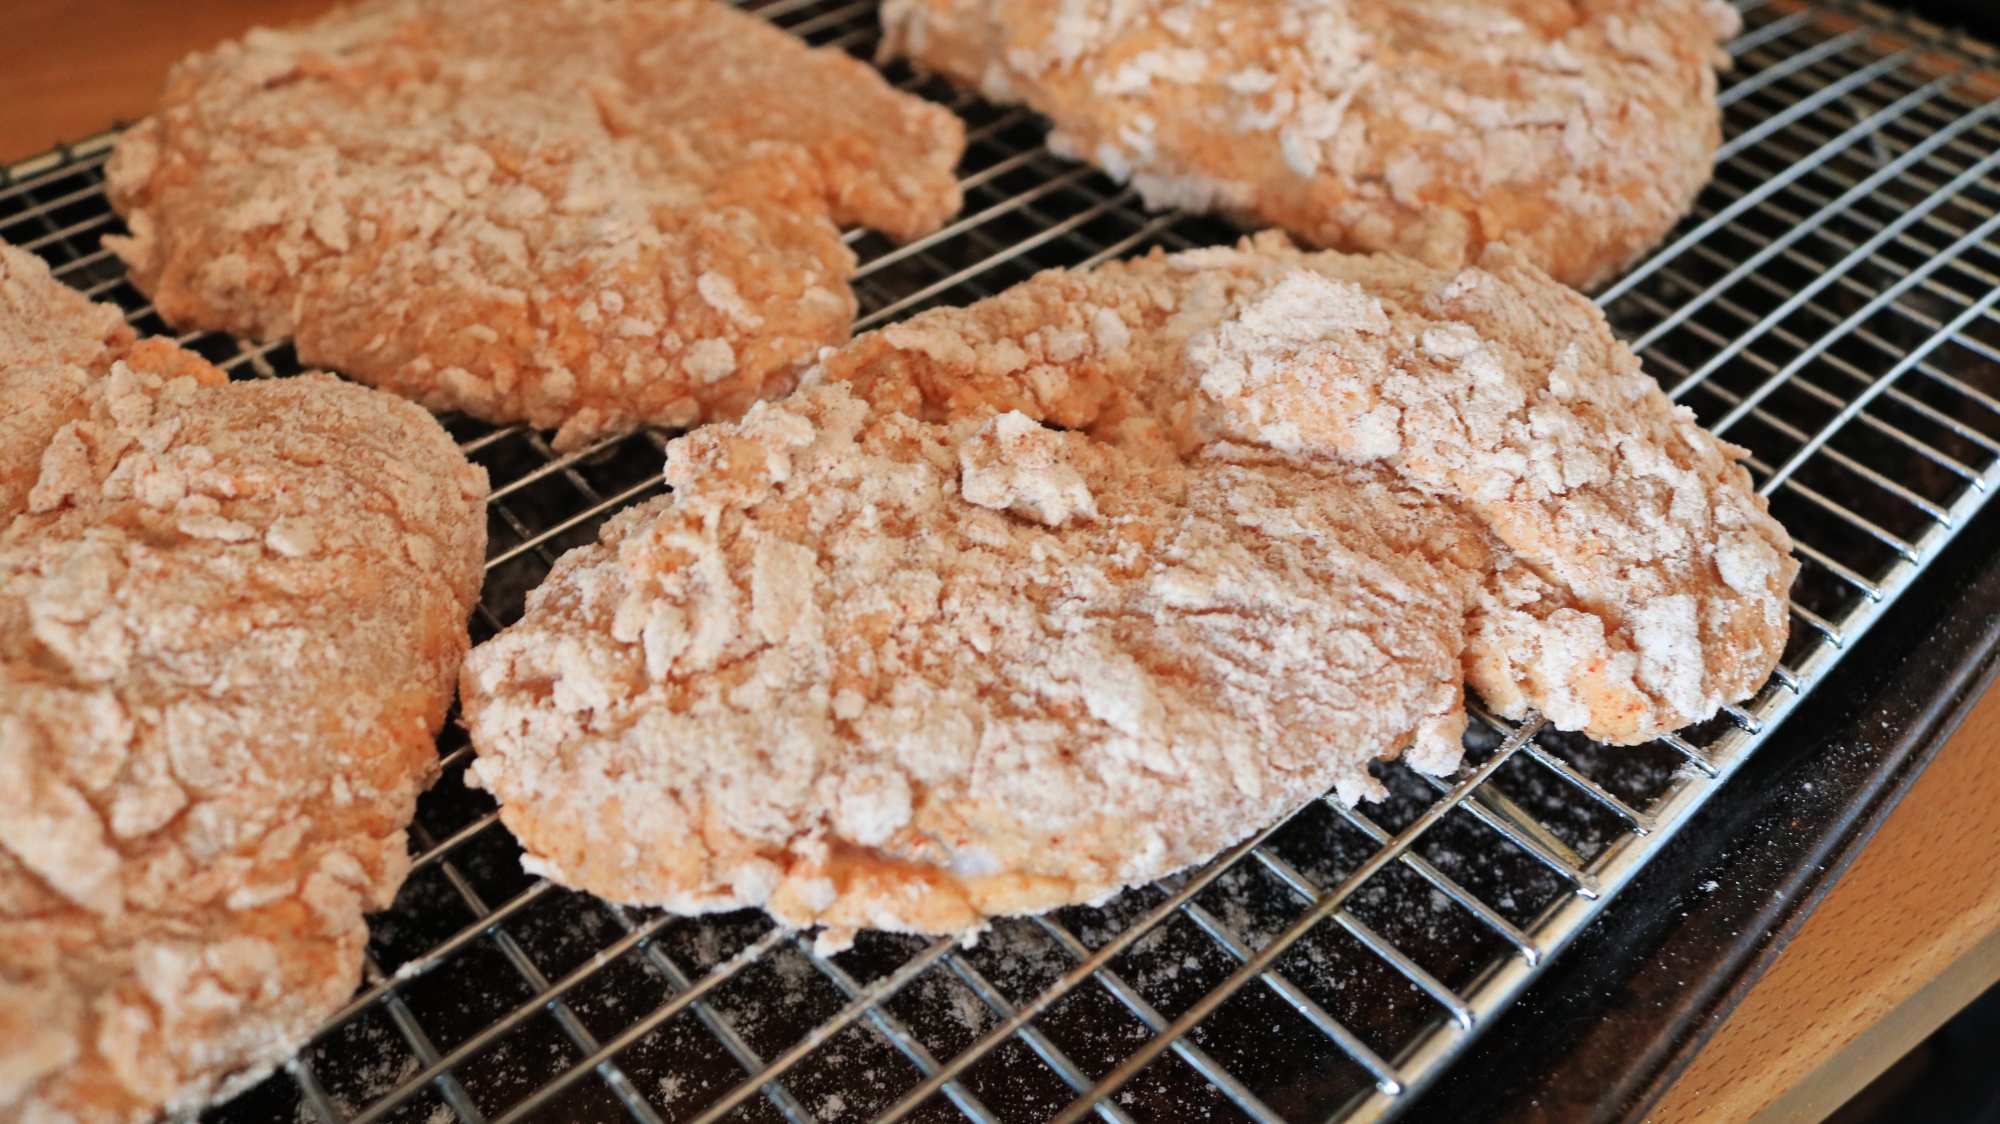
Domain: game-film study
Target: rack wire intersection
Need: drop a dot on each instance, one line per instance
(1830, 305)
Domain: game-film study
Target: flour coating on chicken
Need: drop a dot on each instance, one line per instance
(53, 342)
(585, 214)
(1005, 668)
(230, 618)
(1576, 132)
(1019, 604)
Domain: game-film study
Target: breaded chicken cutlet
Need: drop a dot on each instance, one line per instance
(1018, 604)
(1576, 132)
(53, 343)
(590, 215)
(230, 618)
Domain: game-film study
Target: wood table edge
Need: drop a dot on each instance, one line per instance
(1768, 1065)
(1840, 1077)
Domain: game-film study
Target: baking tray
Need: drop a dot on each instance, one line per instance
(1829, 305)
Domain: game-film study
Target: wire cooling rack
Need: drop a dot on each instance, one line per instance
(1829, 305)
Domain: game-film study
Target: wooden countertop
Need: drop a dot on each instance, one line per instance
(71, 68)
(1905, 939)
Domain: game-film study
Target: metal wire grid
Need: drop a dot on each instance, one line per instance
(1830, 305)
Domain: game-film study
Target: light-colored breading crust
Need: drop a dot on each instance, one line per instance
(53, 343)
(1577, 132)
(591, 214)
(1640, 582)
(1025, 602)
(230, 618)
(819, 680)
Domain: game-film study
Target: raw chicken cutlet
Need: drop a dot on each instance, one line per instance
(590, 215)
(1576, 132)
(230, 618)
(1016, 605)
